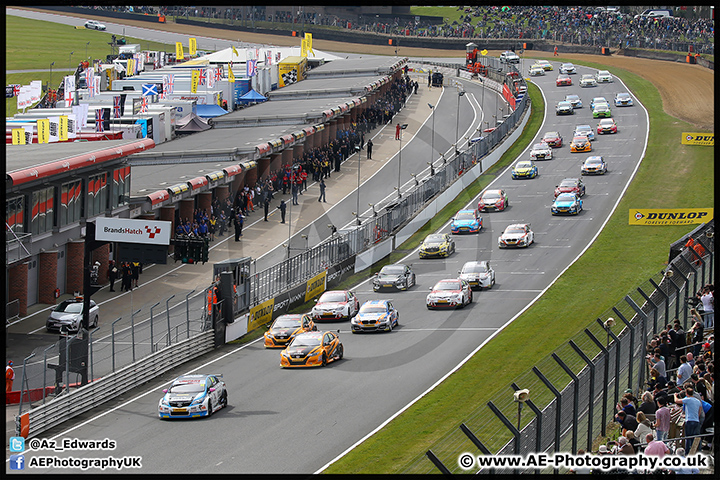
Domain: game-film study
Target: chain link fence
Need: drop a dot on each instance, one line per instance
(574, 390)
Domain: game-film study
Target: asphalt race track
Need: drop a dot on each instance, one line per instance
(297, 421)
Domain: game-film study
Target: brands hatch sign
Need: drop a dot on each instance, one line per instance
(152, 232)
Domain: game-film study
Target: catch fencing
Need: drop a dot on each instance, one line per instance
(572, 393)
(389, 217)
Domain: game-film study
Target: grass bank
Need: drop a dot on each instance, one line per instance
(622, 257)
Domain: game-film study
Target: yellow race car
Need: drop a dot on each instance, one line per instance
(312, 349)
(437, 245)
(286, 327)
(580, 144)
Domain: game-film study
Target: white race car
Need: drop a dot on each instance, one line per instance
(193, 396)
(603, 76)
(516, 235)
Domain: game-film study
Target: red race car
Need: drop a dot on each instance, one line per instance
(553, 139)
(563, 80)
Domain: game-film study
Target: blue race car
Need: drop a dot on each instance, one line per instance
(374, 316)
(193, 396)
(466, 221)
(567, 203)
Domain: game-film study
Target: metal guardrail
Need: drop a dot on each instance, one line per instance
(65, 407)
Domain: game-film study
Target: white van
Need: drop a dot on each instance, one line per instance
(650, 13)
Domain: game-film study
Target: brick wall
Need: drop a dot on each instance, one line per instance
(74, 262)
(17, 286)
(47, 277)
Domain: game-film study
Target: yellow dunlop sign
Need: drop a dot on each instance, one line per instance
(670, 216)
(693, 138)
(260, 314)
(315, 285)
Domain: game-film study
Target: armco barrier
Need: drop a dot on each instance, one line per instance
(65, 407)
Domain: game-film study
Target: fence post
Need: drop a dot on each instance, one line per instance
(436, 461)
(642, 314)
(187, 311)
(152, 344)
(132, 332)
(695, 289)
(24, 382)
(591, 393)
(515, 432)
(576, 399)
(632, 345)
(709, 251)
(167, 309)
(90, 334)
(677, 292)
(45, 368)
(605, 378)
(643, 322)
(558, 408)
(538, 417)
(112, 337)
(476, 441)
(667, 301)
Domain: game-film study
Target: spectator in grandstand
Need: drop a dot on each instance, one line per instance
(647, 406)
(580, 470)
(678, 340)
(696, 332)
(684, 371)
(708, 300)
(644, 426)
(680, 452)
(624, 448)
(662, 419)
(626, 406)
(656, 361)
(692, 408)
(655, 447)
(626, 421)
(633, 441)
(666, 350)
(672, 387)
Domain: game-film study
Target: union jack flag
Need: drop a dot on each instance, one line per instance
(90, 81)
(99, 127)
(251, 68)
(116, 107)
(218, 73)
(202, 76)
(170, 84)
(144, 105)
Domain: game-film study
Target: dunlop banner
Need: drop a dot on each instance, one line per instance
(179, 55)
(693, 138)
(261, 314)
(315, 286)
(670, 216)
(192, 46)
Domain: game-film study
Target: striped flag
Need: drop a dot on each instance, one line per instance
(99, 120)
(210, 77)
(251, 68)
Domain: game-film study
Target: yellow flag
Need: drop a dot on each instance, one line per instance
(43, 128)
(179, 55)
(235, 52)
(192, 46)
(63, 128)
(18, 136)
(231, 75)
(130, 66)
(194, 81)
(308, 41)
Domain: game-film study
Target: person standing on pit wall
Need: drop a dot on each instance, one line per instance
(9, 376)
(283, 208)
(397, 131)
(321, 198)
(112, 274)
(555, 54)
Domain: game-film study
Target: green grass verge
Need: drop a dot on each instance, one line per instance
(53, 42)
(622, 257)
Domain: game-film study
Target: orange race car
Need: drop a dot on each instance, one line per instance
(286, 327)
(312, 349)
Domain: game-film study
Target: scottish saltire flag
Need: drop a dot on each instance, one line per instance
(99, 127)
(116, 107)
(149, 89)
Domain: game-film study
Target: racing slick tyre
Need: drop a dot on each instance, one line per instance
(95, 322)
(324, 360)
(492, 284)
(341, 352)
(224, 400)
(210, 410)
